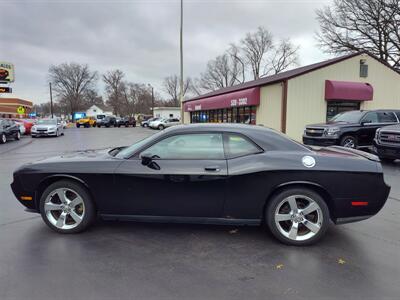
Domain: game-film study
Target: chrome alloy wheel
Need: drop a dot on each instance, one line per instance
(3, 138)
(349, 143)
(298, 218)
(64, 208)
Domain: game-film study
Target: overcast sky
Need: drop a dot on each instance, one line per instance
(140, 37)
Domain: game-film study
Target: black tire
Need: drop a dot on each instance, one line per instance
(145, 125)
(78, 125)
(90, 210)
(387, 160)
(118, 126)
(160, 127)
(98, 126)
(349, 140)
(280, 197)
(87, 125)
(18, 136)
(3, 138)
(108, 125)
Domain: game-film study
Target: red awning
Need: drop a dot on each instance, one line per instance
(347, 90)
(248, 97)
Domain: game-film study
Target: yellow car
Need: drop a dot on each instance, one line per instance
(86, 122)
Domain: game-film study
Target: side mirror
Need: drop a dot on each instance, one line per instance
(146, 159)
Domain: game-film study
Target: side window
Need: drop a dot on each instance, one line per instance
(386, 117)
(188, 146)
(371, 117)
(236, 145)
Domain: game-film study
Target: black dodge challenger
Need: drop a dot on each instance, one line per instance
(213, 174)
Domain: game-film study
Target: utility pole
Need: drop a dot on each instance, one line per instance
(181, 65)
(51, 101)
(152, 98)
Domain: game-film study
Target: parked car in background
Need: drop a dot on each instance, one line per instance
(8, 130)
(21, 126)
(107, 121)
(163, 123)
(126, 121)
(86, 122)
(210, 169)
(146, 123)
(352, 129)
(47, 127)
(28, 123)
(387, 143)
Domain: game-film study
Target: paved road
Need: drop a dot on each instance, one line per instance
(122, 260)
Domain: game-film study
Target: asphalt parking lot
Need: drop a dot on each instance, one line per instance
(124, 260)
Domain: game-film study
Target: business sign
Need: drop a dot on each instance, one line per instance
(21, 110)
(6, 72)
(5, 90)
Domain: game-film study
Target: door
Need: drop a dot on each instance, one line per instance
(371, 122)
(186, 176)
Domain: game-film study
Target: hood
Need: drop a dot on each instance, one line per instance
(393, 128)
(45, 126)
(332, 124)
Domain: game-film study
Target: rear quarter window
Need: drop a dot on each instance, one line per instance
(237, 145)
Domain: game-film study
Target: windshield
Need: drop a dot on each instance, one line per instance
(129, 151)
(348, 116)
(47, 122)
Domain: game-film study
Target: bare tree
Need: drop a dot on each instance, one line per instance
(283, 57)
(115, 89)
(171, 87)
(361, 25)
(255, 47)
(70, 82)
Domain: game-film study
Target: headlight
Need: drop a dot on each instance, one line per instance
(52, 128)
(332, 131)
(33, 128)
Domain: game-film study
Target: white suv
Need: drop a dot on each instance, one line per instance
(164, 123)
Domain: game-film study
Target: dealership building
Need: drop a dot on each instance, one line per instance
(290, 100)
(9, 107)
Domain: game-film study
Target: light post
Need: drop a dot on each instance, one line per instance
(152, 98)
(51, 101)
(181, 65)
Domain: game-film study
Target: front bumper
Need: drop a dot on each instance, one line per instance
(386, 151)
(43, 133)
(20, 193)
(320, 141)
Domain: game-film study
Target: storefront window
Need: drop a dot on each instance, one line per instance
(245, 115)
(337, 107)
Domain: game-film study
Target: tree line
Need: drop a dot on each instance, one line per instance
(345, 26)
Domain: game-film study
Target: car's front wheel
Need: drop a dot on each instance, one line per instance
(161, 127)
(66, 207)
(18, 135)
(297, 216)
(348, 141)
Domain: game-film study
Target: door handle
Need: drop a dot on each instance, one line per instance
(212, 168)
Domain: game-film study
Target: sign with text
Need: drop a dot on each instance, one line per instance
(6, 72)
(5, 90)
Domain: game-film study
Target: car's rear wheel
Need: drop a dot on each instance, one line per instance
(297, 216)
(66, 207)
(348, 141)
(3, 138)
(161, 127)
(78, 125)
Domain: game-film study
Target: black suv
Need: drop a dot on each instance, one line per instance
(107, 122)
(353, 129)
(387, 143)
(126, 121)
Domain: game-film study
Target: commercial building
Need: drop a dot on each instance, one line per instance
(167, 112)
(95, 110)
(9, 107)
(311, 94)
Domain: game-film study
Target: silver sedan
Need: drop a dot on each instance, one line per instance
(47, 127)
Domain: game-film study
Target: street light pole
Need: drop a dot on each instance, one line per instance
(152, 98)
(51, 101)
(181, 65)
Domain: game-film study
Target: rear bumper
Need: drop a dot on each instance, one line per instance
(320, 141)
(386, 151)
